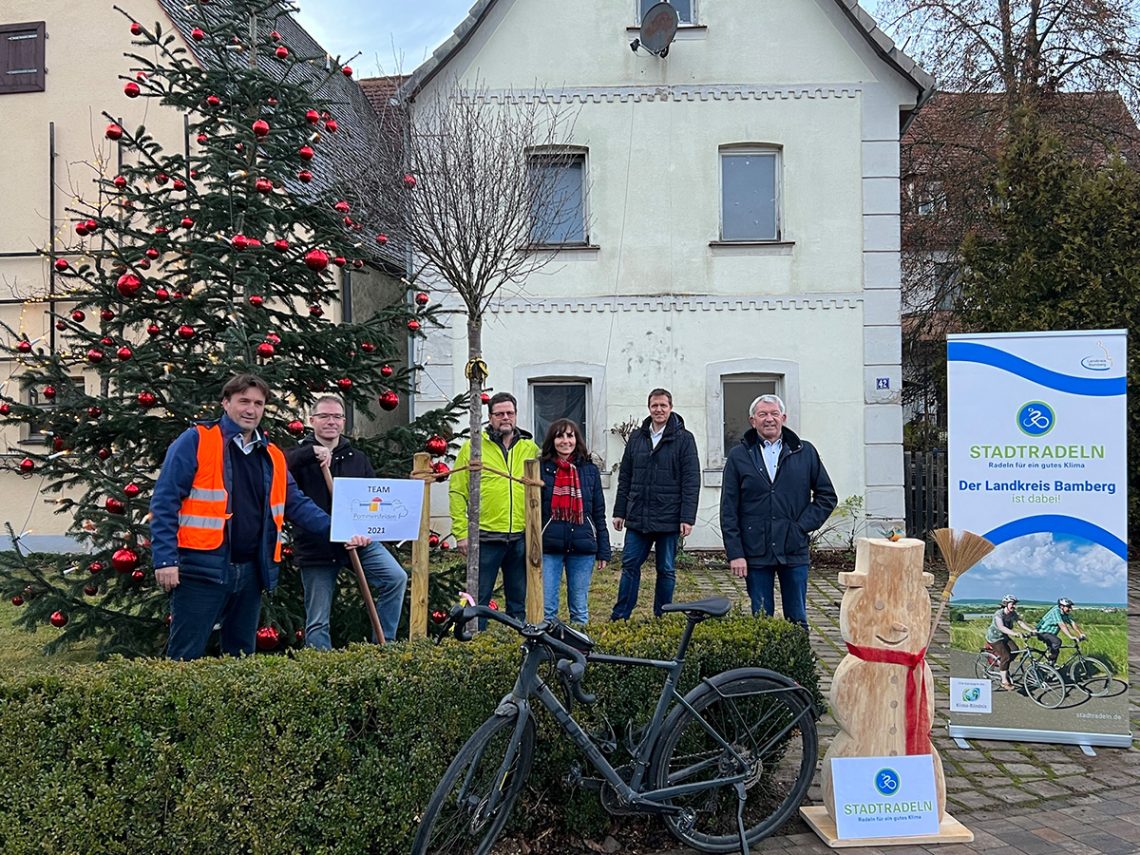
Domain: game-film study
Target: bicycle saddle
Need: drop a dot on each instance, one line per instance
(712, 607)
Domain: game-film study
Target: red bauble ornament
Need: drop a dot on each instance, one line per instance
(342, 207)
(186, 332)
(49, 391)
(446, 545)
(282, 52)
(287, 551)
(441, 469)
(409, 181)
(422, 298)
(161, 178)
(312, 117)
(316, 260)
(202, 139)
(5, 408)
(281, 245)
(494, 605)
(161, 230)
(213, 101)
(119, 181)
(58, 619)
(295, 427)
(124, 353)
(161, 294)
(330, 126)
(381, 238)
(17, 600)
(347, 71)
(268, 638)
(61, 325)
(152, 253)
(124, 560)
(386, 370)
(94, 356)
(367, 346)
(103, 454)
(186, 222)
(433, 540)
(113, 132)
(265, 350)
(146, 399)
(132, 490)
(389, 400)
(27, 466)
(357, 263)
(137, 575)
(316, 311)
(107, 314)
(276, 36)
(413, 325)
(61, 264)
(57, 443)
(153, 329)
(96, 567)
(179, 184)
(113, 505)
(344, 383)
(273, 338)
(91, 590)
(24, 346)
(131, 89)
(438, 617)
(339, 260)
(239, 242)
(143, 264)
(263, 185)
(485, 398)
(94, 412)
(197, 34)
(81, 229)
(260, 128)
(128, 285)
(91, 225)
(136, 28)
(78, 316)
(256, 300)
(305, 152)
(436, 445)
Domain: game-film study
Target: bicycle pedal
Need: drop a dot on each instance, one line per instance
(573, 776)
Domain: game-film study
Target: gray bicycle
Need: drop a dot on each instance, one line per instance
(724, 765)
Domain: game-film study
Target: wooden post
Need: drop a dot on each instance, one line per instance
(533, 541)
(421, 554)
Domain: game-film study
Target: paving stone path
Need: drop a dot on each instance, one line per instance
(1018, 798)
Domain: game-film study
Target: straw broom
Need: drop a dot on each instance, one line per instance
(961, 551)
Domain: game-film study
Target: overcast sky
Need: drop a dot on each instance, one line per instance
(390, 35)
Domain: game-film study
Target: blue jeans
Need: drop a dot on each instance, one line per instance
(196, 605)
(579, 571)
(633, 555)
(385, 576)
(511, 557)
(793, 590)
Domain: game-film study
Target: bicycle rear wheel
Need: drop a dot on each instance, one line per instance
(1043, 684)
(1092, 675)
(986, 667)
(458, 819)
(770, 725)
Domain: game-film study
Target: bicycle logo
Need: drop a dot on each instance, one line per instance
(887, 781)
(1035, 418)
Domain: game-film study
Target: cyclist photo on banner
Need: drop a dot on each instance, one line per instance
(1001, 632)
(1055, 621)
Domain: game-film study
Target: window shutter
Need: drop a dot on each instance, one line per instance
(22, 57)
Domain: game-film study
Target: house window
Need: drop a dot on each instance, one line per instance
(558, 203)
(738, 391)
(21, 58)
(750, 194)
(67, 394)
(686, 11)
(559, 399)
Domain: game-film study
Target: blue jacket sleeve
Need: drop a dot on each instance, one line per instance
(172, 486)
(690, 480)
(625, 475)
(823, 497)
(730, 510)
(303, 511)
(598, 507)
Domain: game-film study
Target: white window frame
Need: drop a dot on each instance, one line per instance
(693, 12)
(593, 375)
(754, 150)
(539, 153)
(787, 376)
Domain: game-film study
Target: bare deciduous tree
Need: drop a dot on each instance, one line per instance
(468, 179)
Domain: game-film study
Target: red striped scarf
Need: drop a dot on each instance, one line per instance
(566, 503)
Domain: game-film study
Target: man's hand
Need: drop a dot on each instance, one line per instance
(323, 455)
(167, 578)
(686, 529)
(602, 564)
(357, 540)
(619, 523)
(461, 545)
(739, 567)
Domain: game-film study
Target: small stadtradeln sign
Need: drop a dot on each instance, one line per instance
(884, 796)
(379, 508)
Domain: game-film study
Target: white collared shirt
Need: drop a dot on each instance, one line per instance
(771, 454)
(655, 435)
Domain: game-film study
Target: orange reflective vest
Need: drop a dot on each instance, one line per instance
(202, 516)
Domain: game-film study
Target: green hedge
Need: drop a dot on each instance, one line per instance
(313, 753)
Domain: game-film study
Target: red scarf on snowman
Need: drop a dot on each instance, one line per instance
(917, 698)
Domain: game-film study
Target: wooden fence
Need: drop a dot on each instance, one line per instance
(925, 484)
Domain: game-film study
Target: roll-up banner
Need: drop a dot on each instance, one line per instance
(1038, 466)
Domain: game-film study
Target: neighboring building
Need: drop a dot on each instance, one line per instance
(60, 68)
(738, 228)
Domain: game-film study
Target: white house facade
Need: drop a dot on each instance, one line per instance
(739, 229)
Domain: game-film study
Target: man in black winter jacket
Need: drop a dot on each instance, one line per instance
(774, 492)
(658, 485)
(319, 559)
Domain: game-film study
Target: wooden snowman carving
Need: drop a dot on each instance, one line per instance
(882, 695)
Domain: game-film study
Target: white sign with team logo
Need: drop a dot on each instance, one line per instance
(974, 696)
(379, 508)
(884, 796)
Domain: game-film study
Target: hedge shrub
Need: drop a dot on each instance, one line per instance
(312, 753)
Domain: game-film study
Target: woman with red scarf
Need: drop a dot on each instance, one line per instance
(574, 534)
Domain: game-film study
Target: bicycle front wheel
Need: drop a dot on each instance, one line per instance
(1044, 685)
(471, 803)
(1092, 675)
(768, 725)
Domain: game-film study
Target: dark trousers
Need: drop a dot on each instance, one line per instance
(196, 605)
(511, 557)
(1053, 642)
(760, 582)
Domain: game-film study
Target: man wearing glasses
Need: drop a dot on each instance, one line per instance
(321, 560)
(502, 504)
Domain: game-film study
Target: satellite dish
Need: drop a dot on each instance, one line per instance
(658, 29)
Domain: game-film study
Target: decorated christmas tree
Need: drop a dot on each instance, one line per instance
(193, 259)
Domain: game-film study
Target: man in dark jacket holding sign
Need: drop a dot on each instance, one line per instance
(658, 485)
(774, 492)
(319, 559)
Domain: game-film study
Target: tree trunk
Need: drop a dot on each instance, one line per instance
(475, 391)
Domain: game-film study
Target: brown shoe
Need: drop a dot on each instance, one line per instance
(1009, 687)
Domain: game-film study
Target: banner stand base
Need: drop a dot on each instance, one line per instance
(949, 831)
